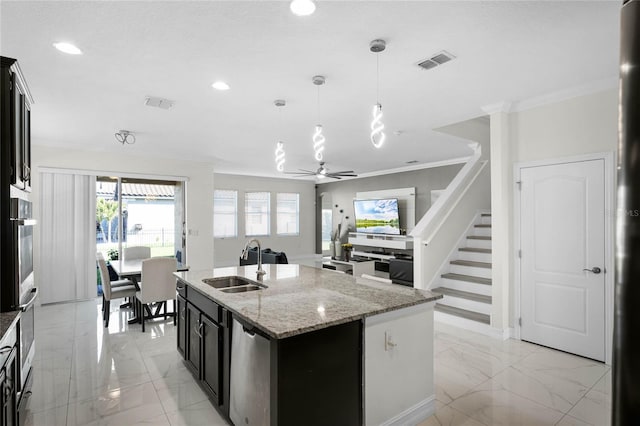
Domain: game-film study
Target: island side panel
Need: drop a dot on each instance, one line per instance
(398, 364)
(316, 377)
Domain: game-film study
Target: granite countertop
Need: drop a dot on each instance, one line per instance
(6, 320)
(300, 298)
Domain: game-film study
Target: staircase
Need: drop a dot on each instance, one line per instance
(467, 286)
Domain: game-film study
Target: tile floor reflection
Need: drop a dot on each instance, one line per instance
(88, 375)
(483, 381)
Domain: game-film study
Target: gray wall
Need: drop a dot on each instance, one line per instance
(342, 193)
(227, 250)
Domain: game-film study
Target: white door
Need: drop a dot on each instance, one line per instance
(563, 253)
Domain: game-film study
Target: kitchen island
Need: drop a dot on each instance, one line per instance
(307, 346)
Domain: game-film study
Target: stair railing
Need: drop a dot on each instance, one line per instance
(431, 244)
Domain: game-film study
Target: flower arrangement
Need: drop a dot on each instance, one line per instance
(347, 246)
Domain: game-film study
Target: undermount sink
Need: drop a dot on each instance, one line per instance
(233, 284)
(224, 282)
(242, 289)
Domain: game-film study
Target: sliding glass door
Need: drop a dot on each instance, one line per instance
(140, 212)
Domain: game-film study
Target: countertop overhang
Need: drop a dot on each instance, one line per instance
(300, 299)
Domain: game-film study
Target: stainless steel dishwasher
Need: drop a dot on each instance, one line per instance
(249, 393)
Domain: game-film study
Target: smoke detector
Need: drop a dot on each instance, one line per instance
(436, 60)
(152, 101)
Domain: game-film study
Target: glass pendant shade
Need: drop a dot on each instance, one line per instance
(377, 127)
(280, 156)
(318, 142)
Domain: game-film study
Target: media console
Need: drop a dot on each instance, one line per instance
(387, 249)
(396, 242)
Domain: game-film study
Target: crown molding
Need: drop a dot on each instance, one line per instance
(565, 94)
(504, 106)
(411, 168)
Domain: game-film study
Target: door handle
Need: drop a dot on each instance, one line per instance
(595, 270)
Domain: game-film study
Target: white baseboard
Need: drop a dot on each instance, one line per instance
(474, 326)
(414, 415)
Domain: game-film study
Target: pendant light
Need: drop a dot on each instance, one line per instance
(280, 154)
(377, 126)
(318, 137)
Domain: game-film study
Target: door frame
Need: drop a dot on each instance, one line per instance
(609, 232)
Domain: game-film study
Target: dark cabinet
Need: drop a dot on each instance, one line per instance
(193, 336)
(8, 382)
(9, 376)
(201, 341)
(181, 321)
(17, 119)
(210, 366)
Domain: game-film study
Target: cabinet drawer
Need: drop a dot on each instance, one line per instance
(206, 305)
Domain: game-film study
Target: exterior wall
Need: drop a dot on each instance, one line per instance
(227, 250)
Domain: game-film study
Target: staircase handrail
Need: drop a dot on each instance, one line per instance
(433, 219)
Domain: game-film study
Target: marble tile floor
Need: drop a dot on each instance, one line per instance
(88, 375)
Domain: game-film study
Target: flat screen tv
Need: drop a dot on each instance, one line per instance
(377, 216)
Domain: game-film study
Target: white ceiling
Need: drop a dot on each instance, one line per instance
(506, 51)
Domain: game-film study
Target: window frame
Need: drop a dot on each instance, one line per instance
(235, 214)
(297, 215)
(267, 213)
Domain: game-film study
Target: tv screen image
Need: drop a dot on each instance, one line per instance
(377, 216)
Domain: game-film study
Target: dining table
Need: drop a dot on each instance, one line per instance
(132, 270)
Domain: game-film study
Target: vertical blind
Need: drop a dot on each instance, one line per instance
(67, 230)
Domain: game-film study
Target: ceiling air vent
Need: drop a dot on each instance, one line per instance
(437, 59)
(152, 101)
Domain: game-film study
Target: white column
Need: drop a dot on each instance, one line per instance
(501, 214)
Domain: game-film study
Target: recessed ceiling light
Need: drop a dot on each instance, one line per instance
(302, 7)
(67, 48)
(220, 85)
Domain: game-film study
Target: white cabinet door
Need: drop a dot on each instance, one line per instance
(398, 362)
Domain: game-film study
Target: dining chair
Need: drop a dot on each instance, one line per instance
(136, 252)
(157, 286)
(112, 289)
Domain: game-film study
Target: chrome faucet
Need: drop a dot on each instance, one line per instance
(245, 255)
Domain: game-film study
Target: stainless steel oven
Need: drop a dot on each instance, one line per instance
(23, 222)
(23, 292)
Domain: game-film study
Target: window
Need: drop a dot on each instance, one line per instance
(288, 214)
(256, 210)
(225, 209)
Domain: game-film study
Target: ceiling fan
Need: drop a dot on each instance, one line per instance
(323, 172)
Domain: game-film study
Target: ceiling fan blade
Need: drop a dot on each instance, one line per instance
(333, 177)
(345, 175)
(342, 172)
